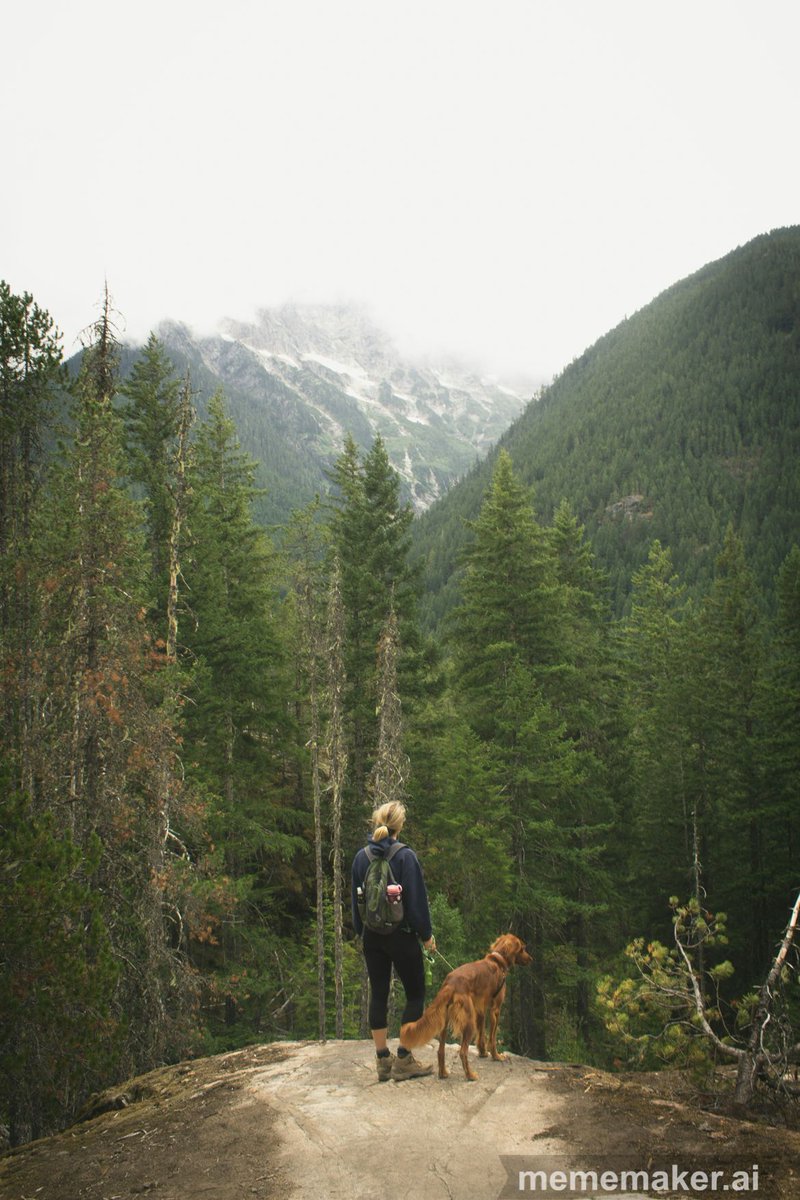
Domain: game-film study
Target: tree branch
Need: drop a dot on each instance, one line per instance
(731, 1051)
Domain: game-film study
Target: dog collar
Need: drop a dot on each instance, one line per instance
(498, 958)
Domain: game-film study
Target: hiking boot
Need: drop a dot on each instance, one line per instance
(385, 1067)
(407, 1067)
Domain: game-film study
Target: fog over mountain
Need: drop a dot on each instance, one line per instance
(299, 378)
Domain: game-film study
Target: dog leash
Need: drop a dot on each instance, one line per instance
(444, 960)
(428, 955)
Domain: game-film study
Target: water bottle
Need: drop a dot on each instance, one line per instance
(427, 960)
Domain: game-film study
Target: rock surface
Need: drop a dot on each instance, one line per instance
(344, 1134)
(310, 1121)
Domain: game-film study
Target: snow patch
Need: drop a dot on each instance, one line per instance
(412, 412)
(268, 354)
(362, 399)
(351, 370)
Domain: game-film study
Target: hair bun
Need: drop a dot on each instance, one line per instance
(389, 818)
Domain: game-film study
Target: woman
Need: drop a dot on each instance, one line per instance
(399, 949)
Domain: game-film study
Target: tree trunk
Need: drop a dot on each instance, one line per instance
(754, 1060)
(311, 646)
(316, 792)
(538, 1007)
(746, 1079)
(582, 1000)
(179, 501)
(337, 757)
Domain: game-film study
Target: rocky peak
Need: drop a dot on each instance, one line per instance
(327, 370)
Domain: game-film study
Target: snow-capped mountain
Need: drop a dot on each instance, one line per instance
(308, 375)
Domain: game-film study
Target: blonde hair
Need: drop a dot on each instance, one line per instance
(388, 819)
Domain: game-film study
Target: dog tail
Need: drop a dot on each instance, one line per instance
(432, 1021)
(462, 1017)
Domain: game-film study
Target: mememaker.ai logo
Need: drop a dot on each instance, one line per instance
(561, 1177)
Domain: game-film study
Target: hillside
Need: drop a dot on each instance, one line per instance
(296, 1120)
(300, 378)
(683, 418)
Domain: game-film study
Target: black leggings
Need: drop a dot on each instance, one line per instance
(402, 951)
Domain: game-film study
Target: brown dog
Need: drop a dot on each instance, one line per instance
(469, 996)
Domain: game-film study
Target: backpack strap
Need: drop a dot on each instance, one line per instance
(371, 855)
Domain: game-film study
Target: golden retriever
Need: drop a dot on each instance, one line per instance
(469, 997)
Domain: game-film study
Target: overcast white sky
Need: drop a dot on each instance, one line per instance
(505, 179)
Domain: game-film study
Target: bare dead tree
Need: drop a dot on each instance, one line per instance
(94, 475)
(389, 774)
(337, 768)
(179, 489)
(312, 668)
(758, 1061)
(311, 652)
(678, 984)
(316, 790)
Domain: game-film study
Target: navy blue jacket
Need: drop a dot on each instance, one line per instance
(407, 871)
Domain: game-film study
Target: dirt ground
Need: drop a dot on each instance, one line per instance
(301, 1120)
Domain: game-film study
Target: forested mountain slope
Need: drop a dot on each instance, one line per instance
(682, 419)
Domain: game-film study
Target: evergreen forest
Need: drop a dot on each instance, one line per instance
(595, 749)
(683, 419)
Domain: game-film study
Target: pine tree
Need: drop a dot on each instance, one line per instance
(577, 687)
(237, 722)
(232, 629)
(59, 975)
(306, 541)
(105, 761)
(661, 820)
(463, 813)
(509, 609)
(542, 778)
(153, 416)
(722, 668)
(510, 647)
(582, 692)
(370, 533)
(388, 522)
(778, 746)
(31, 377)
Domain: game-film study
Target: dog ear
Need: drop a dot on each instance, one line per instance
(517, 949)
(522, 956)
(506, 946)
(512, 949)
